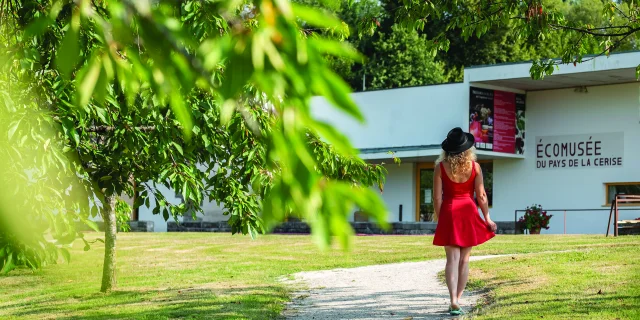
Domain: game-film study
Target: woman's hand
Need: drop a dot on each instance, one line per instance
(492, 225)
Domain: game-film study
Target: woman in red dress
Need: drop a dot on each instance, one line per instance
(457, 177)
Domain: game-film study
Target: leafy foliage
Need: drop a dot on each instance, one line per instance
(39, 196)
(531, 20)
(123, 215)
(504, 40)
(403, 59)
(535, 218)
(210, 99)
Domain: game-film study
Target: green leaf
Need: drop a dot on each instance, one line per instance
(68, 54)
(212, 51)
(102, 114)
(185, 191)
(274, 56)
(65, 254)
(337, 92)
(316, 17)
(13, 127)
(335, 138)
(165, 214)
(70, 131)
(178, 147)
(336, 48)
(285, 8)
(92, 224)
(228, 108)
(182, 112)
(102, 83)
(253, 232)
(8, 265)
(236, 75)
(38, 26)
(206, 140)
(88, 78)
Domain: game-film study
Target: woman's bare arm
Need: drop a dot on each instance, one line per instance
(481, 194)
(437, 192)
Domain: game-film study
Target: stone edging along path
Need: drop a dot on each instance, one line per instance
(408, 290)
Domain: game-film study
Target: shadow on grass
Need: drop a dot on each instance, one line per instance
(188, 303)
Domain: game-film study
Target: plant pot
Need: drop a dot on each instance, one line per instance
(534, 231)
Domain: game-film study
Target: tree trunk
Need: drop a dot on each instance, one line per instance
(110, 231)
(134, 209)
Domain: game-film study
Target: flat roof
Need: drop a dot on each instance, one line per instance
(586, 56)
(426, 153)
(598, 70)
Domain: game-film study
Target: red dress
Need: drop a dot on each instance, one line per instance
(459, 223)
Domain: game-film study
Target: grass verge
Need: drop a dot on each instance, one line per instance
(595, 283)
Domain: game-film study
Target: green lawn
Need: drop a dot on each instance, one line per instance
(204, 275)
(596, 283)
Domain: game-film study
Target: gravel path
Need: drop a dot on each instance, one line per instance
(407, 290)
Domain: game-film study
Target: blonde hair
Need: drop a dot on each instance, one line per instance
(459, 162)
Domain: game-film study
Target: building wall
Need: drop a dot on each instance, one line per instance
(400, 117)
(517, 182)
(400, 189)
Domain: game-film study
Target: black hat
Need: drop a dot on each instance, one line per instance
(457, 141)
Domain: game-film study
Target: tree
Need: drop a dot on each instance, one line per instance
(206, 98)
(531, 20)
(402, 59)
(371, 20)
(503, 41)
(396, 57)
(365, 19)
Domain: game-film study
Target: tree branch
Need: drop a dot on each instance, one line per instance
(105, 129)
(622, 13)
(597, 34)
(613, 46)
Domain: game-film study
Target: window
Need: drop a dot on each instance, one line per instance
(487, 172)
(621, 188)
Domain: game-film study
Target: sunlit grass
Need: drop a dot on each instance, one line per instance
(596, 283)
(205, 275)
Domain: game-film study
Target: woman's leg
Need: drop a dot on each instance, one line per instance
(463, 271)
(451, 273)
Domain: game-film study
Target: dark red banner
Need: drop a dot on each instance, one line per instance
(496, 120)
(504, 128)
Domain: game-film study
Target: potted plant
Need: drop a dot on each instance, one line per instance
(535, 219)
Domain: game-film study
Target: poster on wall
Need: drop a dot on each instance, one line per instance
(520, 107)
(496, 120)
(595, 150)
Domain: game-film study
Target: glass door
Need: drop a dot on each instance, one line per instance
(424, 189)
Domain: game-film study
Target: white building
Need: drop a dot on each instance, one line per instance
(596, 103)
(581, 139)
